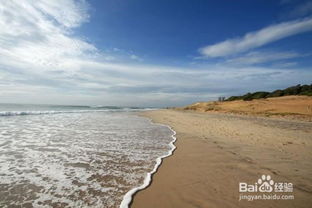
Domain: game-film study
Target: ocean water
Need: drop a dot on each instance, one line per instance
(76, 156)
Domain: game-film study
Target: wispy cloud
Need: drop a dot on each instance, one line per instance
(135, 57)
(302, 10)
(257, 38)
(261, 57)
(285, 64)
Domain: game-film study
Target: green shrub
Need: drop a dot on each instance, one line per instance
(276, 93)
(234, 98)
(294, 90)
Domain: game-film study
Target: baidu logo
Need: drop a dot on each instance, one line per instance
(265, 188)
(264, 184)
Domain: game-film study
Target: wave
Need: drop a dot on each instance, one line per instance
(110, 107)
(88, 107)
(128, 197)
(24, 113)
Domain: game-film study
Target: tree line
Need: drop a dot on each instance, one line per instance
(294, 90)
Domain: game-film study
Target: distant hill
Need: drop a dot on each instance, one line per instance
(294, 90)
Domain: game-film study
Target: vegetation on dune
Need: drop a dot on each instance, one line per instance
(294, 90)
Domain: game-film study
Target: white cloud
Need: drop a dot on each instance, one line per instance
(259, 57)
(42, 61)
(68, 13)
(285, 64)
(258, 38)
(135, 57)
(38, 32)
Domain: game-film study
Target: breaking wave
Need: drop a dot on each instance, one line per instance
(95, 109)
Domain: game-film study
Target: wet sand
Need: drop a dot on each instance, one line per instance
(216, 151)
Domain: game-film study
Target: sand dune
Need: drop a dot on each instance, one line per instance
(298, 107)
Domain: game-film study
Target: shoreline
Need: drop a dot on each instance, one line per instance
(216, 151)
(128, 197)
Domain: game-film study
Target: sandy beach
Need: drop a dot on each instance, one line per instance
(217, 151)
(155, 104)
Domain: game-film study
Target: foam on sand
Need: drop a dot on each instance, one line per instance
(127, 199)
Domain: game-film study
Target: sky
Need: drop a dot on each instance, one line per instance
(151, 53)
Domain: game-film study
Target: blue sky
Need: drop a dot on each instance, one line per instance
(151, 53)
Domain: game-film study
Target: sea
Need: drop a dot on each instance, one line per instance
(77, 156)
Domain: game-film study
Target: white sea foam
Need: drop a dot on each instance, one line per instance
(78, 160)
(127, 199)
(23, 113)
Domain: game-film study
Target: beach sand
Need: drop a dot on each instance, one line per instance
(216, 151)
